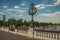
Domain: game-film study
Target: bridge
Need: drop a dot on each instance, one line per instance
(37, 33)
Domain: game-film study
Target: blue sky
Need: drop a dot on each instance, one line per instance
(47, 10)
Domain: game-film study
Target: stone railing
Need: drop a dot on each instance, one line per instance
(48, 35)
(41, 34)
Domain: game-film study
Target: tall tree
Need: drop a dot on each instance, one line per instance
(19, 22)
(36, 24)
(26, 23)
(1, 22)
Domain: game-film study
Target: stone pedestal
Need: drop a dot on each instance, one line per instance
(12, 27)
(31, 24)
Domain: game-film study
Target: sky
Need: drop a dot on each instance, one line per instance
(47, 10)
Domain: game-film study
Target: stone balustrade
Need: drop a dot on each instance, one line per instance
(53, 35)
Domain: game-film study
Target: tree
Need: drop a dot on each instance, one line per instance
(8, 22)
(26, 23)
(19, 22)
(1, 22)
(50, 23)
(44, 24)
(36, 24)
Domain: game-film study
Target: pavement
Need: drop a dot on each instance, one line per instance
(5, 34)
(9, 36)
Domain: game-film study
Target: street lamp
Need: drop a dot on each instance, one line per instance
(32, 11)
(4, 20)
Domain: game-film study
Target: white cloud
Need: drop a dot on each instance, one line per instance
(48, 20)
(56, 14)
(23, 4)
(20, 15)
(57, 2)
(51, 17)
(18, 10)
(41, 6)
(5, 6)
(51, 5)
(10, 9)
(1, 13)
(45, 14)
(16, 7)
(13, 9)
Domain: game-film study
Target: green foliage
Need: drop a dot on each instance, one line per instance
(19, 22)
(26, 23)
(44, 24)
(8, 22)
(36, 23)
(1, 22)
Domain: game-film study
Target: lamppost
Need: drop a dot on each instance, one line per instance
(32, 11)
(4, 20)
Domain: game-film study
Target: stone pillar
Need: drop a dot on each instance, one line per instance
(49, 35)
(40, 33)
(44, 34)
(54, 36)
(58, 36)
(36, 33)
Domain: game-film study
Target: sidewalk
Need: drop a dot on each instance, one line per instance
(10, 36)
(28, 34)
(23, 33)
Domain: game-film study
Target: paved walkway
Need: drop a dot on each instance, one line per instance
(9, 36)
(5, 34)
